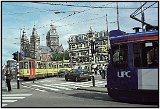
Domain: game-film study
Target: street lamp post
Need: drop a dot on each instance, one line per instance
(18, 79)
(92, 41)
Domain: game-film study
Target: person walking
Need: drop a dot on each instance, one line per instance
(8, 78)
(103, 72)
(105, 68)
(96, 70)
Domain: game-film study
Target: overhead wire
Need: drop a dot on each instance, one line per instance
(69, 16)
(145, 8)
(59, 11)
(74, 14)
(84, 6)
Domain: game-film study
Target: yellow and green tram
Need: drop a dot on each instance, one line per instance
(30, 69)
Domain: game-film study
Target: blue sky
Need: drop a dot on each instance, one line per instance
(16, 15)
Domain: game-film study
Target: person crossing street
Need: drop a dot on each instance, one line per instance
(8, 78)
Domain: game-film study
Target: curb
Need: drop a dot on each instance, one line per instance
(102, 91)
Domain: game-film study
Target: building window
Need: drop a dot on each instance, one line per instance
(73, 46)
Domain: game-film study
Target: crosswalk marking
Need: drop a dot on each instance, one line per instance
(68, 86)
(6, 101)
(4, 105)
(65, 85)
(41, 90)
(46, 87)
(34, 88)
(20, 94)
(10, 98)
(65, 88)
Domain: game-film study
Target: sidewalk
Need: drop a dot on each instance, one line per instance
(14, 88)
(96, 88)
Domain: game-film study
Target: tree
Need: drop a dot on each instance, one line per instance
(60, 56)
(66, 55)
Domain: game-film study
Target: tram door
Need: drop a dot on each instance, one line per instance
(32, 69)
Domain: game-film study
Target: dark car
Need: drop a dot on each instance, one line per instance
(62, 72)
(77, 75)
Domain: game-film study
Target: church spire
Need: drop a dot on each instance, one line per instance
(34, 32)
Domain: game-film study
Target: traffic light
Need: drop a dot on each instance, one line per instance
(15, 56)
(21, 56)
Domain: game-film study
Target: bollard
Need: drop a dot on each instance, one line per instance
(33, 80)
(93, 81)
(18, 85)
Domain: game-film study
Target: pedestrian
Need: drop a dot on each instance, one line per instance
(96, 70)
(106, 66)
(8, 78)
(103, 72)
(92, 68)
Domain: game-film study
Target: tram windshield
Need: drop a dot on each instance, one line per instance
(146, 54)
(120, 54)
(23, 65)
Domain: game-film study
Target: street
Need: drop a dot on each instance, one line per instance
(56, 92)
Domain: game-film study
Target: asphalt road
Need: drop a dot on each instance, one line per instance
(61, 98)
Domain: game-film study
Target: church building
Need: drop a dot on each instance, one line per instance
(52, 40)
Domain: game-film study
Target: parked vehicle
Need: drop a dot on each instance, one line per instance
(78, 74)
(62, 72)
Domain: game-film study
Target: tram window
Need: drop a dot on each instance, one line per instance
(41, 65)
(21, 65)
(38, 65)
(137, 55)
(26, 65)
(66, 65)
(30, 65)
(54, 66)
(115, 54)
(120, 56)
(146, 54)
(44, 65)
(50, 65)
(60, 66)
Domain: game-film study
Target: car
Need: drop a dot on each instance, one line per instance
(62, 72)
(78, 75)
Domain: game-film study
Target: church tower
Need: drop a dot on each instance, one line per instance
(35, 44)
(52, 39)
(25, 46)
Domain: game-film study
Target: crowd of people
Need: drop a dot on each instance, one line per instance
(99, 70)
